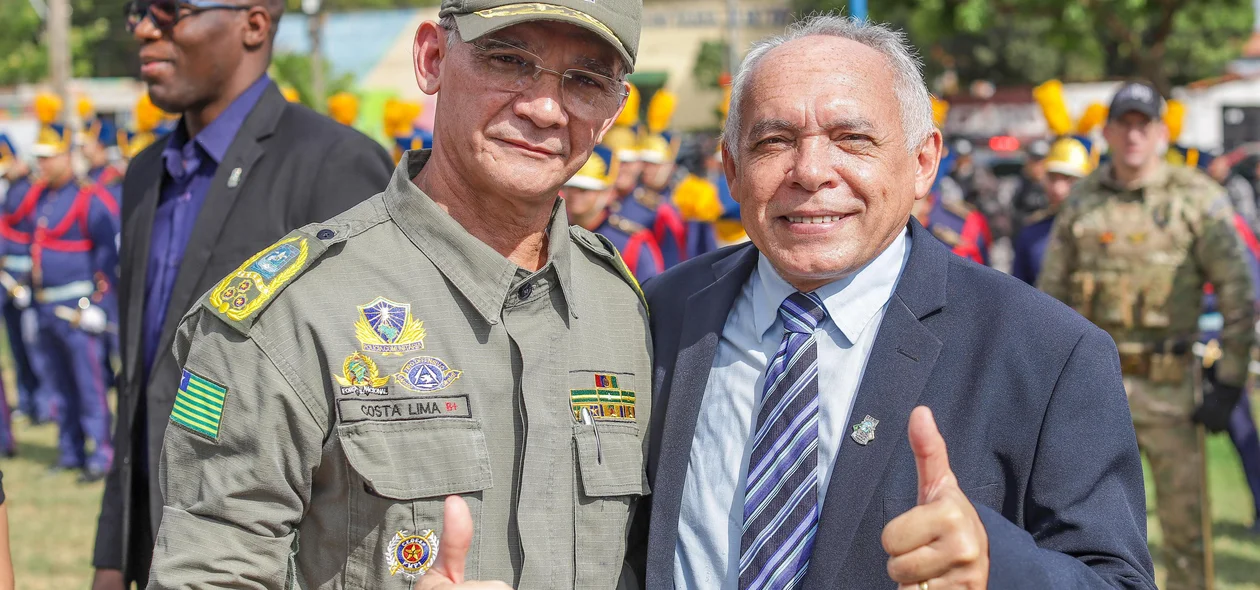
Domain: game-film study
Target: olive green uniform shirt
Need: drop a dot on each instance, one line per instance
(1134, 262)
(346, 380)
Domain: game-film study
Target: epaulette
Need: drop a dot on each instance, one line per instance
(958, 207)
(603, 248)
(625, 225)
(649, 199)
(950, 237)
(240, 297)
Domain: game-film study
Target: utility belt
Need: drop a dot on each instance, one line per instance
(67, 292)
(1166, 361)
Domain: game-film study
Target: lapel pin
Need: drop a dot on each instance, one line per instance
(235, 179)
(864, 431)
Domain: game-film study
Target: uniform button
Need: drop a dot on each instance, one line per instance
(525, 291)
(325, 234)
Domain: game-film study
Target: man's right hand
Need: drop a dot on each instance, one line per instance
(108, 580)
(448, 571)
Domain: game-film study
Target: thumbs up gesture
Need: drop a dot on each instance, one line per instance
(940, 543)
(448, 571)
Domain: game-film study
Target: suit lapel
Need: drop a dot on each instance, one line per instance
(703, 320)
(901, 361)
(140, 236)
(243, 154)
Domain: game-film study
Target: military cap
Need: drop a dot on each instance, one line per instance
(615, 21)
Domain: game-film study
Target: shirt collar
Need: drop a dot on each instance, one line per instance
(480, 273)
(1157, 178)
(851, 302)
(216, 138)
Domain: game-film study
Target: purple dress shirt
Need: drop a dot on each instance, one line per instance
(190, 168)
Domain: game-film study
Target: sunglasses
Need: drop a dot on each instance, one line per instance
(165, 14)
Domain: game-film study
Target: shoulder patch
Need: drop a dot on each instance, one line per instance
(242, 295)
(603, 248)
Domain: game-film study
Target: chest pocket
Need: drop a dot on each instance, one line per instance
(1130, 255)
(610, 478)
(405, 471)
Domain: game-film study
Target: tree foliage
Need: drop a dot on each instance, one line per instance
(1028, 41)
(294, 70)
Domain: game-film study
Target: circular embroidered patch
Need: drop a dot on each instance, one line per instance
(412, 555)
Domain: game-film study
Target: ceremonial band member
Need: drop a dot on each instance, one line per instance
(452, 336)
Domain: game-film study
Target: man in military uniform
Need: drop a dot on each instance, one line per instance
(1067, 163)
(586, 198)
(1131, 250)
(450, 336)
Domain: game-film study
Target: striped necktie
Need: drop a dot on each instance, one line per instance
(781, 497)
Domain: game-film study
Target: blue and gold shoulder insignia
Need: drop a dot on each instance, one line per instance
(242, 295)
(604, 249)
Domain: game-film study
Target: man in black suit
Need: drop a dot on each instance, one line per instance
(243, 168)
(791, 447)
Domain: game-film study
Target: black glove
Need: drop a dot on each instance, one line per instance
(1218, 403)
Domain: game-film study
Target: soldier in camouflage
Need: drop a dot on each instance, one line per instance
(1131, 250)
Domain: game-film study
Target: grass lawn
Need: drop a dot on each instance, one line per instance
(53, 519)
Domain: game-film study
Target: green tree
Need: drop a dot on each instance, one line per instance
(1027, 41)
(21, 56)
(710, 64)
(294, 70)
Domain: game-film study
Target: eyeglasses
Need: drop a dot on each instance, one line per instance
(583, 94)
(165, 14)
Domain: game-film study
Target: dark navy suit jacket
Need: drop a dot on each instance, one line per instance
(1027, 394)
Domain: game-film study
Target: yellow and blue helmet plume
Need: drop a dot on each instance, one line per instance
(8, 153)
(54, 137)
(598, 173)
(343, 107)
(630, 113)
(661, 111)
(1050, 96)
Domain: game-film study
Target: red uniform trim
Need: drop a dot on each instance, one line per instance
(1248, 236)
(667, 220)
(638, 242)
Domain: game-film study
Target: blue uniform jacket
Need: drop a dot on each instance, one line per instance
(961, 228)
(637, 246)
(662, 219)
(1030, 246)
(70, 235)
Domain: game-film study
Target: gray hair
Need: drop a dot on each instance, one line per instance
(912, 94)
(448, 22)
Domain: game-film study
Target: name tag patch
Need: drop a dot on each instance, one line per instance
(403, 408)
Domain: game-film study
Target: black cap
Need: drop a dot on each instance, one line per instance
(1139, 97)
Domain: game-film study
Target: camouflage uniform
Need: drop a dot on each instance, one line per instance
(1134, 261)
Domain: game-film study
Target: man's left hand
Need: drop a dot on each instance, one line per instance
(1218, 405)
(940, 543)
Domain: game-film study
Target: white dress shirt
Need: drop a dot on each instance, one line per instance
(711, 519)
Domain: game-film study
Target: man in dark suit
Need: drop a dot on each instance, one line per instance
(787, 450)
(243, 168)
